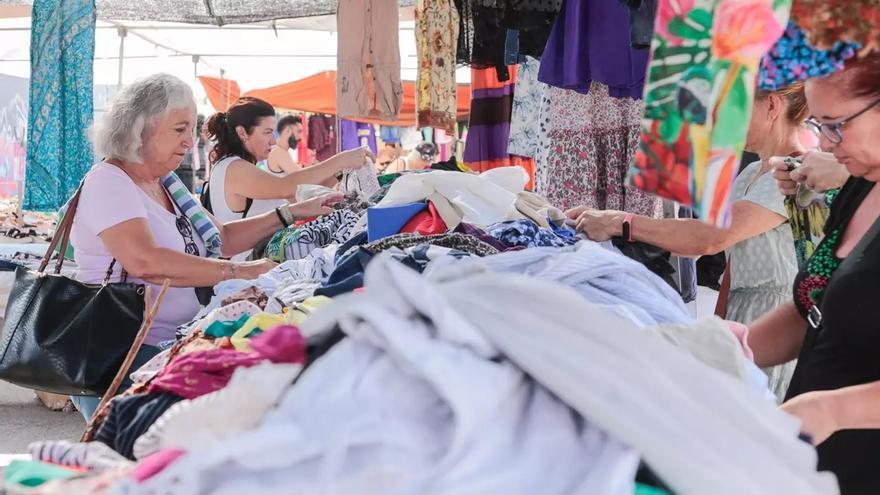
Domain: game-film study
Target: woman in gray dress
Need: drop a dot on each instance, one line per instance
(758, 242)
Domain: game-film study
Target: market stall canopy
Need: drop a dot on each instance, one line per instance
(255, 55)
(317, 94)
(216, 12)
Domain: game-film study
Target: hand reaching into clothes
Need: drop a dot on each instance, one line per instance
(816, 413)
(249, 270)
(575, 213)
(356, 158)
(600, 226)
(317, 206)
(819, 171)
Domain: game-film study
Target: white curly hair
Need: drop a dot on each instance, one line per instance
(122, 131)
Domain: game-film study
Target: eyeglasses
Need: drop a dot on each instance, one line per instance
(186, 231)
(832, 131)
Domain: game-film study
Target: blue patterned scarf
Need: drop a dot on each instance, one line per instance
(195, 212)
(185, 202)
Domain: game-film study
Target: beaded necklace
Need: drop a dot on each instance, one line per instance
(820, 268)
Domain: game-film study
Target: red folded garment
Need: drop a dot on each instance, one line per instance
(427, 222)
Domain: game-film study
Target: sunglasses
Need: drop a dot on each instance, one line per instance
(184, 227)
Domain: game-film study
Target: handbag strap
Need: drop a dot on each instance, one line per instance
(62, 235)
(723, 293)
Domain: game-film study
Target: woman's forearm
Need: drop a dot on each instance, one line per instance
(856, 407)
(241, 235)
(684, 237)
(157, 264)
(315, 174)
(777, 336)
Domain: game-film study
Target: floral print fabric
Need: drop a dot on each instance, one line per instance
(436, 43)
(699, 95)
(592, 140)
(830, 21)
(794, 59)
(527, 234)
(528, 99)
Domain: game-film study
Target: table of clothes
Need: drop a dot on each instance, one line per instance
(448, 333)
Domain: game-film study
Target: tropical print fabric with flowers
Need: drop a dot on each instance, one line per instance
(699, 96)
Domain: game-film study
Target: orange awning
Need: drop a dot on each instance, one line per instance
(317, 94)
(221, 92)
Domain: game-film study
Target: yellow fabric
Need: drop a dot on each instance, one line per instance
(303, 310)
(267, 321)
(261, 321)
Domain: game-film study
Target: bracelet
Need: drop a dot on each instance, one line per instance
(281, 217)
(231, 266)
(627, 227)
(287, 216)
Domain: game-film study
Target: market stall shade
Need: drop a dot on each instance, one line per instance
(317, 94)
(217, 12)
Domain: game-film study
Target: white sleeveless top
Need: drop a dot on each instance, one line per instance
(221, 208)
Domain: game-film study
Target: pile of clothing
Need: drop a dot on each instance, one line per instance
(486, 350)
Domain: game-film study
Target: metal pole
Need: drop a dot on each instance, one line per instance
(123, 32)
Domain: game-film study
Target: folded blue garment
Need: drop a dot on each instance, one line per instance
(388, 220)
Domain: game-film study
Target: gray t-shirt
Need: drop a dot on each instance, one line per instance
(768, 260)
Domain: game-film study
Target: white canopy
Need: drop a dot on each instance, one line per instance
(216, 12)
(255, 55)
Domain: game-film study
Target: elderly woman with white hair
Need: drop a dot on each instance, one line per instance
(133, 210)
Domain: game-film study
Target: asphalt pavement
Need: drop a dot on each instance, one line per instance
(24, 419)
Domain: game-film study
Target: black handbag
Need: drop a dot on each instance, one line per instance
(63, 336)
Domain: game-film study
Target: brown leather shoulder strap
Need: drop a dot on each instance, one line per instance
(62, 234)
(723, 293)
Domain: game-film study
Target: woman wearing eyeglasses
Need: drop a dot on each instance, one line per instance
(833, 324)
(759, 241)
(135, 215)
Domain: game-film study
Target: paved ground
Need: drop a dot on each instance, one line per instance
(23, 419)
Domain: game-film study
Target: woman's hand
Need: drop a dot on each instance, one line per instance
(819, 171)
(601, 226)
(575, 213)
(317, 206)
(356, 158)
(249, 270)
(816, 413)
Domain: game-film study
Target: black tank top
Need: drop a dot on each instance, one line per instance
(842, 344)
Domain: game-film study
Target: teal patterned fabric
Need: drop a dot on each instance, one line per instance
(58, 151)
